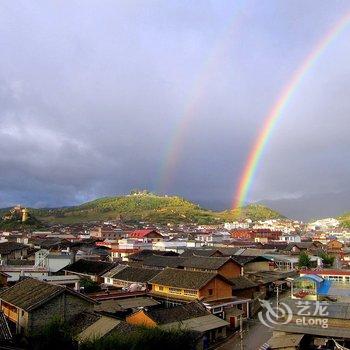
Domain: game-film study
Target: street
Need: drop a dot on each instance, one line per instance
(255, 334)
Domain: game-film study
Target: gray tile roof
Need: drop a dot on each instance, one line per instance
(183, 278)
(199, 262)
(89, 267)
(202, 262)
(199, 252)
(163, 261)
(135, 274)
(242, 282)
(243, 260)
(9, 247)
(178, 313)
(30, 293)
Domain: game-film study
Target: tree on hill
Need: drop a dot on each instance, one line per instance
(304, 260)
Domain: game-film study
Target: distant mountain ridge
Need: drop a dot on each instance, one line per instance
(149, 207)
(311, 207)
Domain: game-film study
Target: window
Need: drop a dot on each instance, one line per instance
(160, 288)
(175, 290)
(190, 292)
(217, 310)
(210, 291)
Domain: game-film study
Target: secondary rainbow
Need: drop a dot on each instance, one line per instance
(276, 112)
(176, 145)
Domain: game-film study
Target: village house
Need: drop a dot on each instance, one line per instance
(146, 236)
(99, 326)
(192, 316)
(124, 306)
(124, 276)
(334, 247)
(296, 248)
(224, 266)
(210, 252)
(31, 304)
(89, 269)
(108, 233)
(254, 263)
(175, 286)
(160, 261)
(13, 251)
(141, 254)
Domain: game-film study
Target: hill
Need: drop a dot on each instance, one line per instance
(150, 208)
(345, 219)
(18, 218)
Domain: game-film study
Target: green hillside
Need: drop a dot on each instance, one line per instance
(151, 208)
(345, 219)
(11, 219)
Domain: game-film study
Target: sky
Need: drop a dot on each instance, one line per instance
(100, 97)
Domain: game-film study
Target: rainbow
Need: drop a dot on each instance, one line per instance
(175, 147)
(277, 110)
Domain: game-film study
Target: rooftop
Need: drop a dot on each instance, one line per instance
(89, 267)
(135, 274)
(178, 313)
(9, 247)
(184, 278)
(30, 293)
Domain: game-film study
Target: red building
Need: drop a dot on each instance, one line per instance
(251, 234)
(146, 235)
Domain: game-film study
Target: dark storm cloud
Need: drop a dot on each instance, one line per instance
(90, 97)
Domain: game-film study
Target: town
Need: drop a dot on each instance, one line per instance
(112, 278)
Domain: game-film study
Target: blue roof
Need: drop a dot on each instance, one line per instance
(324, 287)
(316, 278)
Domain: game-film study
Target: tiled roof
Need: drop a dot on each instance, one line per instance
(242, 259)
(83, 320)
(202, 262)
(163, 261)
(300, 245)
(9, 247)
(242, 282)
(135, 274)
(199, 252)
(31, 293)
(89, 267)
(183, 278)
(140, 255)
(141, 233)
(228, 251)
(178, 313)
(199, 262)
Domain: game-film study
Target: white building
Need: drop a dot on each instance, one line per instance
(236, 225)
(52, 262)
(291, 238)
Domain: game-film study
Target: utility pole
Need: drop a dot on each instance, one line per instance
(241, 330)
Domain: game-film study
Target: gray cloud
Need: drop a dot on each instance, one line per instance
(90, 97)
